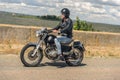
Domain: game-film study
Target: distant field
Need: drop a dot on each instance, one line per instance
(28, 20)
(9, 18)
(106, 27)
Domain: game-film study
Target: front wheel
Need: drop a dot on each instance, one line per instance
(75, 58)
(26, 56)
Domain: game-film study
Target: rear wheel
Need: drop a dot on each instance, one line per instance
(75, 58)
(27, 58)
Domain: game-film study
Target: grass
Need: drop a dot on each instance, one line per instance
(29, 20)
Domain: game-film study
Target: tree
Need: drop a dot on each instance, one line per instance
(49, 17)
(82, 25)
(77, 25)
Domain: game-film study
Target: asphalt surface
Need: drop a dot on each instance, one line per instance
(11, 68)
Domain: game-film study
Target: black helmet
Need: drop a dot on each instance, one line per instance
(66, 12)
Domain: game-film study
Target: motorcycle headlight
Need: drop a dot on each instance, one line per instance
(37, 33)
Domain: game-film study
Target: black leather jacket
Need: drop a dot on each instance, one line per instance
(65, 27)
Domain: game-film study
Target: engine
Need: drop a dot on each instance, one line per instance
(51, 53)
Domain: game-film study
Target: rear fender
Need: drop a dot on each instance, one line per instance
(79, 45)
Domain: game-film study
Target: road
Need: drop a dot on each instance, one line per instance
(91, 69)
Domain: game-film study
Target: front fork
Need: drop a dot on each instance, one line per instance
(37, 47)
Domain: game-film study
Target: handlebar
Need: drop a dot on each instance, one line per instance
(50, 31)
(62, 34)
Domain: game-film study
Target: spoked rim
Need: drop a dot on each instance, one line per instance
(28, 58)
(76, 57)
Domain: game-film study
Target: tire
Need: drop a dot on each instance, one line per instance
(77, 63)
(22, 54)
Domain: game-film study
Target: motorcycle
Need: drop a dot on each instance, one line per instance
(32, 53)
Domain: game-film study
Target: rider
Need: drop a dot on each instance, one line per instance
(65, 29)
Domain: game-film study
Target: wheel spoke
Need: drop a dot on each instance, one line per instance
(76, 57)
(27, 58)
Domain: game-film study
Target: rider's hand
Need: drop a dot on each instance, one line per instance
(55, 31)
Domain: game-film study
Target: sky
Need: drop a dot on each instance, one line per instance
(101, 11)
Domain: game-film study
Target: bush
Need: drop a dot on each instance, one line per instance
(82, 25)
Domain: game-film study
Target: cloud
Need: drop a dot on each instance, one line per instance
(103, 2)
(107, 11)
(23, 4)
(11, 1)
(114, 12)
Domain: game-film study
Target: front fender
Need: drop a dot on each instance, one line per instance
(34, 44)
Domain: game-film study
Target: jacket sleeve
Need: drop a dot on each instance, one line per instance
(67, 27)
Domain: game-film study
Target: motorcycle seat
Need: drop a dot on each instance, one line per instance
(67, 42)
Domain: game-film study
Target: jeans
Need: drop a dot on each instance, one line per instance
(59, 40)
